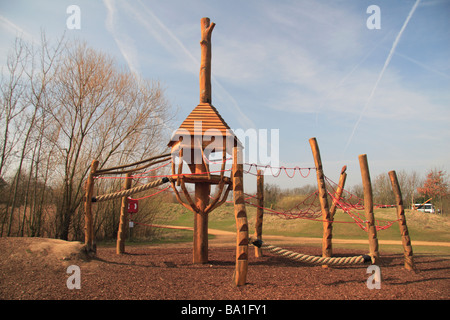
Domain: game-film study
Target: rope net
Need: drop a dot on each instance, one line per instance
(354, 207)
(309, 208)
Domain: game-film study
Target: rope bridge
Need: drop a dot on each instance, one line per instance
(130, 191)
(336, 261)
(308, 208)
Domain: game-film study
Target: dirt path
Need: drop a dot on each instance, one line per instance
(227, 238)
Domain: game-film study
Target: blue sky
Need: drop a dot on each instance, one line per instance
(307, 68)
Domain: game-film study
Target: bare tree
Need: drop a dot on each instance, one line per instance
(102, 113)
(12, 102)
(62, 106)
(13, 107)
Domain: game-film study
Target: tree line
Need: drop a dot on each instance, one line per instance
(63, 104)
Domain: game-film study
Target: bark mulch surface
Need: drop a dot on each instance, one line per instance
(36, 269)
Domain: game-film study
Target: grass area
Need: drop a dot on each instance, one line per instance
(421, 226)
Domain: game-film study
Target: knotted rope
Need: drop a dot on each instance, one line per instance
(311, 259)
(130, 191)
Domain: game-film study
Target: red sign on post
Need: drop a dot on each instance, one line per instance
(132, 206)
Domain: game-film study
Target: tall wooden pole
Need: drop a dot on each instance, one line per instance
(368, 206)
(259, 211)
(327, 223)
(205, 63)
(406, 240)
(89, 227)
(123, 221)
(240, 274)
(339, 191)
(202, 190)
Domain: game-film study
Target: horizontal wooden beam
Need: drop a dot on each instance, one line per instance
(213, 179)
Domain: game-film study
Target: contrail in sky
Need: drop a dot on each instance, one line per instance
(123, 41)
(18, 31)
(386, 63)
(348, 75)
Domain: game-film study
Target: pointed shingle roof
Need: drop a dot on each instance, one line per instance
(208, 117)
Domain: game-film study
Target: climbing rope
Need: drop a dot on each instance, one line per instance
(130, 191)
(311, 259)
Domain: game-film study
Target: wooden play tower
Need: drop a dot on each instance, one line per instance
(191, 144)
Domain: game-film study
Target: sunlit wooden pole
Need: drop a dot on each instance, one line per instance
(259, 211)
(202, 190)
(89, 227)
(327, 223)
(123, 220)
(240, 213)
(368, 206)
(406, 240)
(339, 191)
(205, 62)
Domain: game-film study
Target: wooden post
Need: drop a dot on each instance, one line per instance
(406, 241)
(240, 274)
(259, 211)
(202, 191)
(205, 62)
(339, 191)
(327, 223)
(368, 206)
(89, 227)
(123, 222)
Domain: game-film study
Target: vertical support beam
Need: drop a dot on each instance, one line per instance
(327, 223)
(240, 274)
(259, 211)
(368, 206)
(406, 240)
(202, 191)
(123, 222)
(88, 220)
(339, 191)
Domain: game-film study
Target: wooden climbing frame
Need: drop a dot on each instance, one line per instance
(189, 145)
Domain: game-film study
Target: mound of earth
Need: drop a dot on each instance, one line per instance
(38, 251)
(31, 268)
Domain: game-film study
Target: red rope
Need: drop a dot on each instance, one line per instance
(280, 169)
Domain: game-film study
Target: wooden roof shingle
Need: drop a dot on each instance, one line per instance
(206, 116)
